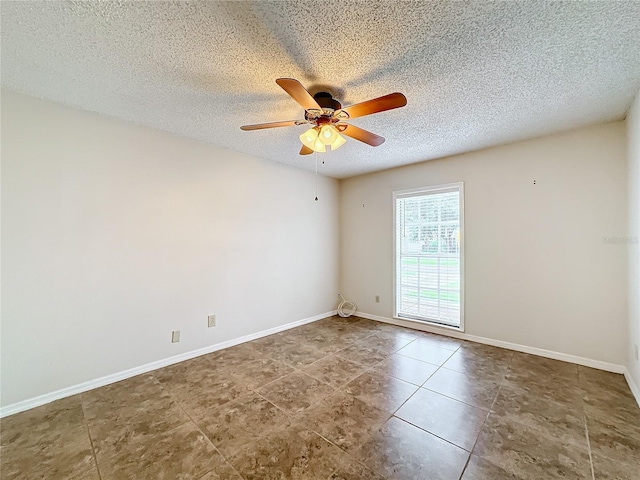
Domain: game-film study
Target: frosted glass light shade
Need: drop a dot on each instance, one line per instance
(309, 138)
(338, 142)
(318, 146)
(318, 138)
(328, 134)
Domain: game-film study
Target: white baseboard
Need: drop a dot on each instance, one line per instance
(587, 362)
(132, 372)
(632, 386)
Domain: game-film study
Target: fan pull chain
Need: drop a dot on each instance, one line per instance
(315, 155)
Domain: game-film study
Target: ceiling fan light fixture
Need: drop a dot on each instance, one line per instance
(328, 134)
(309, 137)
(318, 146)
(338, 142)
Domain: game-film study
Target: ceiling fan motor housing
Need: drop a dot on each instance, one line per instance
(325, 100)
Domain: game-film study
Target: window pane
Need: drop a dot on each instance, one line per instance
(429, 239)
(449, 238)
(411, 240)
(428, 256)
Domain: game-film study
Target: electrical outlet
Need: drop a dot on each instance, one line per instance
(377, 298)
(175, 336)
(636, 352)
(211, 321)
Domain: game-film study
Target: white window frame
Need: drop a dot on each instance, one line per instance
(415, 192)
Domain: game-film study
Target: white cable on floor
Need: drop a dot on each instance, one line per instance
(346, 308)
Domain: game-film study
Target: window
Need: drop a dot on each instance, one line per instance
(428, 254)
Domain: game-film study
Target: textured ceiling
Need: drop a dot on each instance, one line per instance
(475, 74)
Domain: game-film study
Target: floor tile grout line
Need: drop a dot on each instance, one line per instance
(586, 431)
(374, 367)
(416, 391)
(292, 418)
(337, 353)
(586, 428)
(445, 440)
(455, 399)
(260, 436)
(402, 404)
(227, 461)
(350, 455)
(297, 367)
(408, 356)
(432, 344)
(113, 455)
(466, 464)
(340, 448)
(276, 406)
(419, 387)
(339, 387)
(296, 370)
(486, 417)
(431, 433)
(463, 373)
(439, 393)
(93, 450)
(179, 405)
(411, 396)
(518, 421)
(336, 390)
(492, 411)
(468, 376)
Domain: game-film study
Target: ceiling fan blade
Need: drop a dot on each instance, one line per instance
(305, 150)
(362, 135)
(380, 104)
(260, 126)
(295, 89)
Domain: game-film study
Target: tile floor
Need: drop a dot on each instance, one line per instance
(338, 399)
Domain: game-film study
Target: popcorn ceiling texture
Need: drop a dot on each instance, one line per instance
(475, 74)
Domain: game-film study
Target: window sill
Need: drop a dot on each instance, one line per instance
(431, 323)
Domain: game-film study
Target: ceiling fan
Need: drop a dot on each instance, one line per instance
(327, 117)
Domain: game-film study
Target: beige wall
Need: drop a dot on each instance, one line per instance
(113, 235)
(633, 134)
(538, 272)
